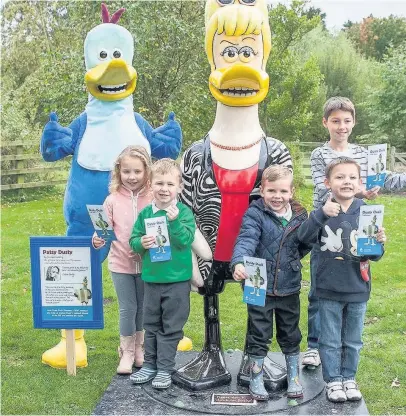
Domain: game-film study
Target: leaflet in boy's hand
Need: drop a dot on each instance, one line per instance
(376, 165)
(370, 220)
(100, 222)
(158, 228)
(255, 283)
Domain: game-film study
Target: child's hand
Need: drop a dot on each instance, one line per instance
(330, 208)
(239, 272)
(147, 241)
(172, 212)
(371, 193)
(380, 235)
(98, 242)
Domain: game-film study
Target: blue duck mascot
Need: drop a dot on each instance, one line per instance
(97, 136)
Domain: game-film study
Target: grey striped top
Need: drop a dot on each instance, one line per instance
(323, 155)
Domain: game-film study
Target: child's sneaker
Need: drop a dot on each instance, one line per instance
(335, 392)
(352, 391)
(311, 358)
(143, 376)
(162, 380)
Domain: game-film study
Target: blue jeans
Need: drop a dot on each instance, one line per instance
(313, 319)
(340, 342)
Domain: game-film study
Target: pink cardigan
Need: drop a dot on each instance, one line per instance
(122, 208)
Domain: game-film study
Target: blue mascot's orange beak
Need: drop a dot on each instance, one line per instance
(111, 81)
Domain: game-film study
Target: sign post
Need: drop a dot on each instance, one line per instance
(70, 353)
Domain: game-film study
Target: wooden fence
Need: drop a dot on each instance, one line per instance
(395, 158)
(25, 167)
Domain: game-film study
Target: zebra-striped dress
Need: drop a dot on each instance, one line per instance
(201, 192)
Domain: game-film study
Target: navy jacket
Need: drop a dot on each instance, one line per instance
(338, 274)
(263, 235)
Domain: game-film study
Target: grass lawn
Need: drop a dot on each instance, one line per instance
(29, 387)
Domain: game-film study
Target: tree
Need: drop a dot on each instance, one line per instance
(294, 82)
(345, 73)
(172, 64)
(373, 37)
(386, 106)
(314, 12)
(347, 24)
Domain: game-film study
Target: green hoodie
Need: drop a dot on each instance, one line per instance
(181, 235)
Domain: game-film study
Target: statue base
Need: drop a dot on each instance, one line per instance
(123, 397)
(206, 371)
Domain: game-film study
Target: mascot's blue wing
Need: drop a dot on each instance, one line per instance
(166, 140)
(57, 141)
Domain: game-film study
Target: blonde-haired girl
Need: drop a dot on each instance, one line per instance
(129, 194)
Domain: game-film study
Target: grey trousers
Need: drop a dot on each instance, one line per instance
(130, 294)
(166, 310)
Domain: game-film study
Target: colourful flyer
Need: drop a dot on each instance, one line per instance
(100, 222)
(158, 228)
(256, 282)
(376, 165)
(370, 219)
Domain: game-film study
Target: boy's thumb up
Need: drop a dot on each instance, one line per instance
(331, 208)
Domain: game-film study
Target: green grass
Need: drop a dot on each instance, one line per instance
(29, 387)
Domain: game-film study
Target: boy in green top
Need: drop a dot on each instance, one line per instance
(166, 283)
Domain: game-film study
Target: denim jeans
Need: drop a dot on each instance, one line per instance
(313, 319)
(340, 342)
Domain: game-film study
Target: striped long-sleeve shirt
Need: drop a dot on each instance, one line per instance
(323, 155)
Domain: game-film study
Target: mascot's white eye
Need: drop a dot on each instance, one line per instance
(117, 53)
(230, 54)
(248, 2)
(246, 54)
(103, 55)
(225, 2)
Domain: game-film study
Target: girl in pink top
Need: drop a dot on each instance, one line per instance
(129, 194)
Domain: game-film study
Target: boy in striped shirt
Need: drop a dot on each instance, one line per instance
(339, 119)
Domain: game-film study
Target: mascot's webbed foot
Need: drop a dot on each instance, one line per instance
(56, 356)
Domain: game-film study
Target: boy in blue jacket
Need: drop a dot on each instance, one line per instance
(269, 231)
(343, 283)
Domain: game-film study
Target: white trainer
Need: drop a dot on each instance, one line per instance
(311, 358)
(335, 392)
(352, 391)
